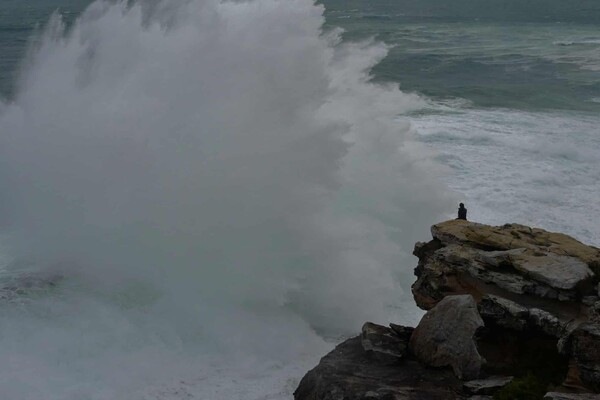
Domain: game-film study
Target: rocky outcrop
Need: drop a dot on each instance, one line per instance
(445, 337)
(502, 301)
(513, 261)
(350, 372)
(539, 286)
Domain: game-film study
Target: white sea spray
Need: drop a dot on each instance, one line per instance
(220, 186)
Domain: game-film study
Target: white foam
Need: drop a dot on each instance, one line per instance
(538, 169)
(576, 42)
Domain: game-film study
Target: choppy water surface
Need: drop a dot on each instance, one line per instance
(198, 198)
(513, 100)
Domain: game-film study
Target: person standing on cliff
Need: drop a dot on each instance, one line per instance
(462, 212)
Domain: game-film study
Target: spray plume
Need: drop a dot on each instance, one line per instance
(213, 180)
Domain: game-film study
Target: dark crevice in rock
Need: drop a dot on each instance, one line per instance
(509, 352)
(486, 247)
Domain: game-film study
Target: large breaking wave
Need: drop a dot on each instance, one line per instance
(194, 194)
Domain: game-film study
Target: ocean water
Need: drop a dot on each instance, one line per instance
(512, 92)
(199, 199)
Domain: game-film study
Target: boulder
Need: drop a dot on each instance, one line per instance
(445, 337)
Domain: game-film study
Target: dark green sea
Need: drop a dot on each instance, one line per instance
(527, 55)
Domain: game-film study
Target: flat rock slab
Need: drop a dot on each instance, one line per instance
(561, 272)
(555, 270)
(514, 236)
(488, 385)
(445, 336)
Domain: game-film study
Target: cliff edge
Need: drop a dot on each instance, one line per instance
(512, 312)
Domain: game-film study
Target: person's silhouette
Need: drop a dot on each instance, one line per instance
(462, 212)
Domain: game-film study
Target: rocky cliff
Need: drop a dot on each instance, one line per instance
(513, 313)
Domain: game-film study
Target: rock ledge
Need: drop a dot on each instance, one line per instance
(502, 301)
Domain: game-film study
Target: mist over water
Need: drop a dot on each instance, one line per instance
(203, 192)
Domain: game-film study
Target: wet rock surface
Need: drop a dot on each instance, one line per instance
(502, 301)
